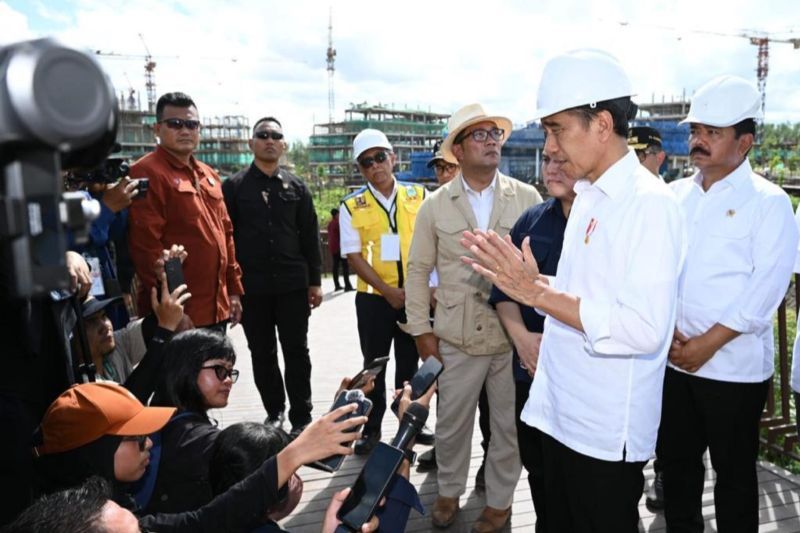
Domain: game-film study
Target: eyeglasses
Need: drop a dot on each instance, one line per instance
(178, 123)
(480, 135)
(141, 440)
(223, 372)
(642, 154)
(444, 167)
(274, 135)
(367, 162)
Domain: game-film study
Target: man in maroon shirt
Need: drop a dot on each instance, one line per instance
(185, 205)
(334, 249)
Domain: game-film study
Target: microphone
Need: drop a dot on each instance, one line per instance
(413, 420)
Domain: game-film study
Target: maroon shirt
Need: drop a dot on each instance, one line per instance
(184, 205)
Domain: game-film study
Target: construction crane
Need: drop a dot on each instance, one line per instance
(760, 39)
(331, 57)
(149, 77)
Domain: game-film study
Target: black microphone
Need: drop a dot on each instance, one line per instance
(413, 420)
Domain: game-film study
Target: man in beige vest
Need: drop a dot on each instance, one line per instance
(467, 335)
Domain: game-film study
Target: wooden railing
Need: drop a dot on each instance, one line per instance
(779, 429)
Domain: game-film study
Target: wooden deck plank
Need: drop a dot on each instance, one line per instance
(333, 340)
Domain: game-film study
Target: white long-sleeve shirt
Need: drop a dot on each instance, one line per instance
(599, 392)
(742, 247)
(796, 351)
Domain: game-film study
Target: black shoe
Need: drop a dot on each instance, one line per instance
(365, 444)
(425, 436)
(480, 479)
(427, 461)
(348, 288)
(655, 496)
(276, 420)
(296, 430)
(337, 288)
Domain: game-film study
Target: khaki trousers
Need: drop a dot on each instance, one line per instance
(459, 388)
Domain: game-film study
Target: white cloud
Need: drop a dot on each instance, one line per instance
(419, 54)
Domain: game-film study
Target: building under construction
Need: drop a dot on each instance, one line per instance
(665, 117)
(223, 140)
(409, 131)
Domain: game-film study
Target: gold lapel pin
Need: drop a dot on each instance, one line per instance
(730, 212)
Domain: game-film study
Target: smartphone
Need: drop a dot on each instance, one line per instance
(142, 186)
(334, 462)
(370, 486)
(174, 271)
(425, 377)
(372, 368)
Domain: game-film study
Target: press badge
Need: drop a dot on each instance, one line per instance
(97, 276)
(390, 247)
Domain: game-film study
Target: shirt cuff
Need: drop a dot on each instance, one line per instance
(349, 249)
(595, 319)
(736, 321)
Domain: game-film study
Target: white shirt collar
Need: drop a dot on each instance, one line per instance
(615, 180)
(382, 198)
(737, 178)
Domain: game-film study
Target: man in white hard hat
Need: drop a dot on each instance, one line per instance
(742, 244)
(467, 335)
(596, 396)
(375, 224)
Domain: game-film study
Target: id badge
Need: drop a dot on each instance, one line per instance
(97, 277)
(390, 247)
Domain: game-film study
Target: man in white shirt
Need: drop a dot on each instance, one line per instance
(742, 244)
(596, 396)
(795, 384)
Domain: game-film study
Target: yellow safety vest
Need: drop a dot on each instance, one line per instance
(371, 220)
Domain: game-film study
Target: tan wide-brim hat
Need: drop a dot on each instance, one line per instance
(466, 117)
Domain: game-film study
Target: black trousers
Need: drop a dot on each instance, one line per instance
(345, 267)
(377, 329)
(530, 453)
(722, 416)
(587, 495)
(289, 313)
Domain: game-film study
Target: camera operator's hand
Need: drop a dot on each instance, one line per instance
(119, 196)
(170, 309)
(330, 523)
(80, 276)
(176, 250)
(322, 438)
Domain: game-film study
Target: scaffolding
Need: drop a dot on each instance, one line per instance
(665, 116)
(409, 131)
(223, 140)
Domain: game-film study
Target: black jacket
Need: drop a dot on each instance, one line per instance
(275, 230)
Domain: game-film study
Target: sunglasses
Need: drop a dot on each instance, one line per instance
(642, 154)
(480, 135)
(367, 162)
(178, 123)
(141, 440)
(274, 135)
(223, 372)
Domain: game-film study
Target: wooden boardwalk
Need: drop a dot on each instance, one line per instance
(335, 353)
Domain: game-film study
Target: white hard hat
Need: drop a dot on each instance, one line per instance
(724, 101)
(578, 78)
(367, 139)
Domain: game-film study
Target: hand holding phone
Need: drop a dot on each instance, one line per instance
(174, 272)
(371, 486)
(334, 462)
(372, 368)
(426, 376)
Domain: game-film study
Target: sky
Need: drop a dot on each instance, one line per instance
(258, 58)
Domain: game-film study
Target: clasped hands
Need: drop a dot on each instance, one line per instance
(512, 270)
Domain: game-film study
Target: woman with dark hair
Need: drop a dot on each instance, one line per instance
(198, 376)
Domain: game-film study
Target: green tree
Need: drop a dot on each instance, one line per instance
(298, 156)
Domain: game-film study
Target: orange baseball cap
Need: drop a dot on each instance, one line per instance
(87, 411)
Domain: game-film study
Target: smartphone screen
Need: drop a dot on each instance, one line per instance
(422, 380)
(174, 271)
(371, 486)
